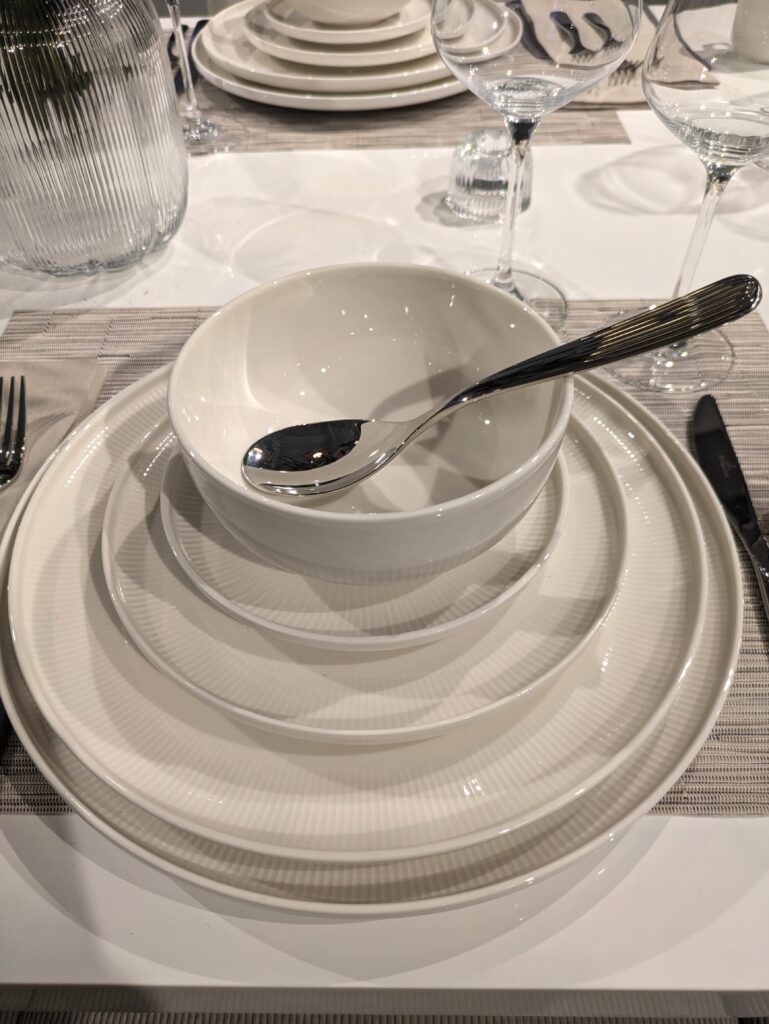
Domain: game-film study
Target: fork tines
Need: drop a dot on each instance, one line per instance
(14, 437)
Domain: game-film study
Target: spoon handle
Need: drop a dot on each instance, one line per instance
(676, 320)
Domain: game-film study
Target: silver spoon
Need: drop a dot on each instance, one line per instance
(314, 458)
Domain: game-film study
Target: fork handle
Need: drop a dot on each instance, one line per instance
(695, 313)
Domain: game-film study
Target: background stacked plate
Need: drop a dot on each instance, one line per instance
(270, 53)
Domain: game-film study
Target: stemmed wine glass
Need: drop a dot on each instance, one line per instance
(526, 58)
(706, 76)
(201, 134)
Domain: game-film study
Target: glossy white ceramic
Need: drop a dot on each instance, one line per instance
(364, 699)
(224, 38)
(382, 340)
(342, 616)
(259, 33)
(302, 100)
(502, 865)
(196, 768)
(413, 16)
(348, 12)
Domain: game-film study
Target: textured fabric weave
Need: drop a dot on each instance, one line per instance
(443, 123)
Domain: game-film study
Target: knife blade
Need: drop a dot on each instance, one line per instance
(715, 453)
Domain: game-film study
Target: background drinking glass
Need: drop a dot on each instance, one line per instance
(526, 58)
(706, 77)
(201, 134)
(478, 177)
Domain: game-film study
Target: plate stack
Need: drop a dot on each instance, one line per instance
(365, 748)
(271, 53)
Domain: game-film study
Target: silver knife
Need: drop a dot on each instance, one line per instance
(716, 456)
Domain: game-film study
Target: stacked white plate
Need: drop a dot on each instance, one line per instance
(236, 727)
(268, 53)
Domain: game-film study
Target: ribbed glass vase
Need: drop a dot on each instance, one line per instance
(93, 169)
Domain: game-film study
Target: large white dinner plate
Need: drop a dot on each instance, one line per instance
(502, 865)
(260, 34)
(176, 757)
(353, 697)
(386, 99)
(224, 39)
(284, 19)
(340, 616)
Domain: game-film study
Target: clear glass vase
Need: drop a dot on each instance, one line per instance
(93, 169)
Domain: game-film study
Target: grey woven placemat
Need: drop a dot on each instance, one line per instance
(84, 1017)
(442, 123)
(730, 775)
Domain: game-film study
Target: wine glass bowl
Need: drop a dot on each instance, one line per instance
(703, 78)
(525, 59)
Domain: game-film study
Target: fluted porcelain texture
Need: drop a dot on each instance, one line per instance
(515, 859)
(93, 170)
(179, 759)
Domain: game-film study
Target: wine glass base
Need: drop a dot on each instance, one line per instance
(203, 136)
(535, 291)
(701, 364)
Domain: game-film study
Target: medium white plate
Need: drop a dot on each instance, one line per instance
(176, 757)
(500, 866)
(224, 40)
(365, 699)
(413, 17)
(384, 100)
(259, 33)
(333, 615)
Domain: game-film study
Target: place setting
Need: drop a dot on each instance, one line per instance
(213, 694)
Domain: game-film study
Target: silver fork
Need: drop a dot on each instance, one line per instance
(14, 440)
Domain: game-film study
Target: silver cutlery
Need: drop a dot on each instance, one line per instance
(11, 457)
(14, 442)
(315, 458)
(714, 452)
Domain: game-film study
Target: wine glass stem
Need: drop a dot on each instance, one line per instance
(520, 136)
(718, 179)
(191, 101)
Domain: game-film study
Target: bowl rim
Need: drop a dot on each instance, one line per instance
(545, 448)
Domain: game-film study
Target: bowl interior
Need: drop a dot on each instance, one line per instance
(368, 341)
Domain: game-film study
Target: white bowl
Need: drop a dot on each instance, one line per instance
(347, 12)
(370, 340)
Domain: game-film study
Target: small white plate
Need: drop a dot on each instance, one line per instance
(350, 697)
(179, 759)
(344, 616)
(224, 40)
(413, 17)
(260, 35)
(491, 869)
(384, 100)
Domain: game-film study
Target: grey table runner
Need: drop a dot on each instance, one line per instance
(442, 123)
(730, 775)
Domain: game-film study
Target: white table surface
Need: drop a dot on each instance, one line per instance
(675, 919)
